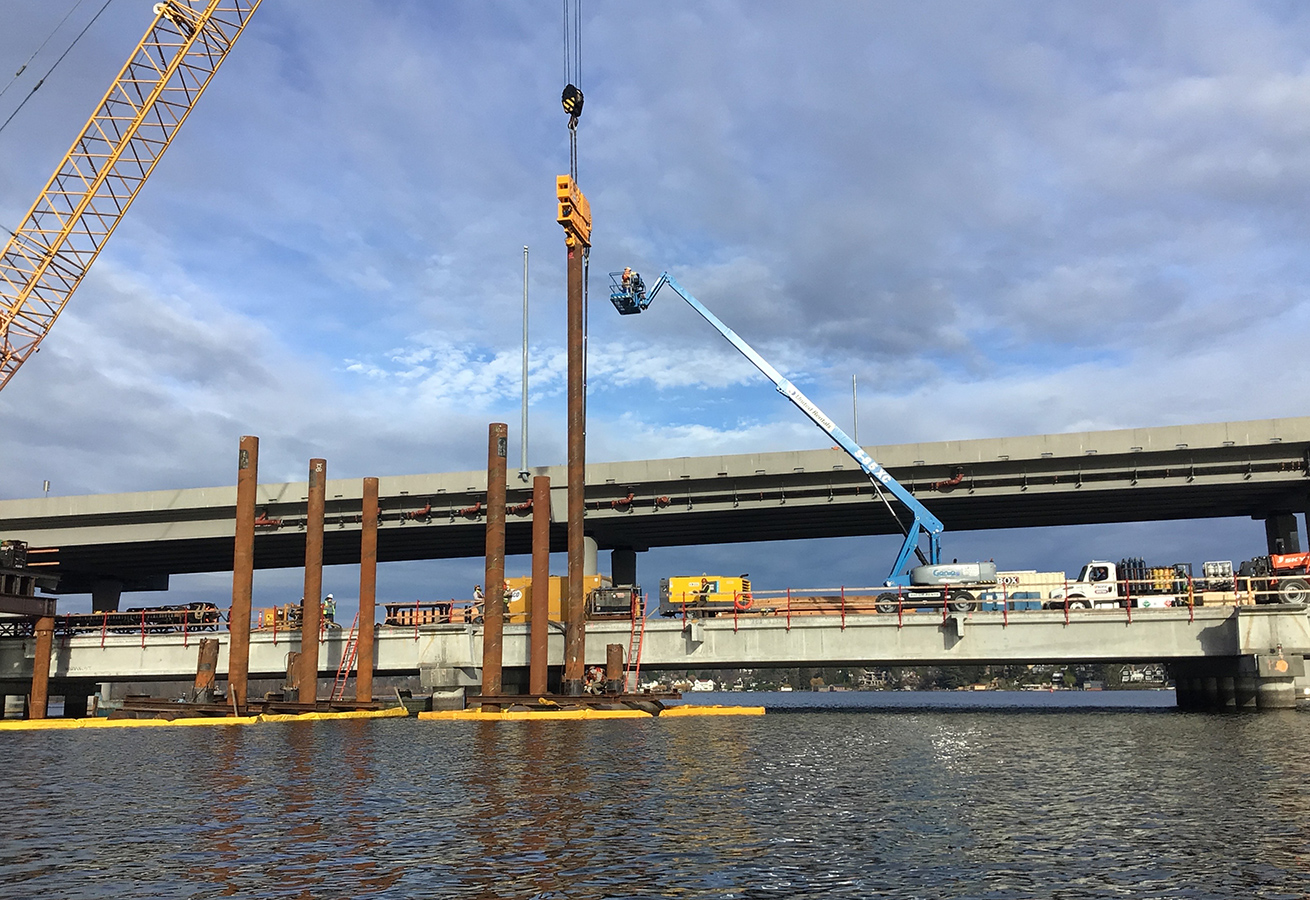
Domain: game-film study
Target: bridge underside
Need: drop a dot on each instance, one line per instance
(140, 565)
(1256, 469)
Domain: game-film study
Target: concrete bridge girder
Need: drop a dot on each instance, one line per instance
(1204, 640)
(1255, 469)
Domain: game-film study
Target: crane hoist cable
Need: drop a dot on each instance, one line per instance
(572, 98)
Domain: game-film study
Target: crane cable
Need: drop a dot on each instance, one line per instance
(23, 67)
(41, 81)
(572, 96)
(572, 101)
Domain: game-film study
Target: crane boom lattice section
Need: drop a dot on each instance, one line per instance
(95, 183)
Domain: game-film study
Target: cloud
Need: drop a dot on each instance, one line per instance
(1001, 219)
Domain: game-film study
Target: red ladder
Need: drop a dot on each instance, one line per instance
(636, 637)
(348, 656)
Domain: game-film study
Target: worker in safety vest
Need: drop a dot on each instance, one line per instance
(329, 608)
(627, 279)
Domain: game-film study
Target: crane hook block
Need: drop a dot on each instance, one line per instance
(572, 100)
(574, 211)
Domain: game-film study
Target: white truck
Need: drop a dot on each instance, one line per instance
(1105, 585)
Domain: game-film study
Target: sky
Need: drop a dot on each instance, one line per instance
(1002, 218)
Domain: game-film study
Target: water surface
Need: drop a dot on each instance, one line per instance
(876, 795)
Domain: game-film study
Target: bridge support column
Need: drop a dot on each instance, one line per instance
(1210, 691)
(105, 595)
(1257, 682)
(1281, 533)
(623, 566)
(1244, 692)
(1226, 692)
(590, 558)
(75, 702)
(1275, 678)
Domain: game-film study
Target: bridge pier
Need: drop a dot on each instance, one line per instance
(106, 594)
(1243, 683)
(75, 701)
(1281, 534)
(623, 566)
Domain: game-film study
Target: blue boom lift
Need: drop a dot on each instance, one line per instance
(629, 295)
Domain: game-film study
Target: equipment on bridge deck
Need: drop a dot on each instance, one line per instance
(19, 584)
(628, 296)
(603, 599)
(281, 618)
(954, 574)
(705, 595)
(1102, 584)
(1277, 578)
(99, 177)
(198, 615)
(613, 602)
(13, 555)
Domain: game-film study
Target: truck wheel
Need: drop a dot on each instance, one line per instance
(1293, 590)
(1079, 603)
(885, 603)
(961, 601)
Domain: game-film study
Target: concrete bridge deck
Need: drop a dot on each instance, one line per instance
(1257, 468)
(1207, 639)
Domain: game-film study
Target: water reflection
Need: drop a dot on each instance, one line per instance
(1000, 803)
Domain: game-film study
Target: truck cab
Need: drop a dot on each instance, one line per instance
(1105, 585)
(1097, 586)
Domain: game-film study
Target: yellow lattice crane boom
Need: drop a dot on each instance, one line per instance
(95, 183)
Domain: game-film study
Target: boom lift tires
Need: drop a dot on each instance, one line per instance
(961, 601)
(1294, 590)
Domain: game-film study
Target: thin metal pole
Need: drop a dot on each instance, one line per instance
(523, 426)
(368, 591)
(855, 411)
(243, 573)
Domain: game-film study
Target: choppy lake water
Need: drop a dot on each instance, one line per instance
(830, 795)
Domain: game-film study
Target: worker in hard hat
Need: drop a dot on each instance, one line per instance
(627, 279)
(329, 608)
